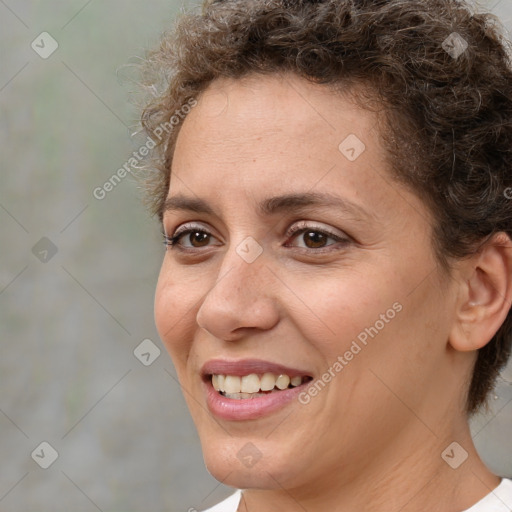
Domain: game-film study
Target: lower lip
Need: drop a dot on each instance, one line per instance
(249, 408)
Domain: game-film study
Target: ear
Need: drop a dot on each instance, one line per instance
(485, 294)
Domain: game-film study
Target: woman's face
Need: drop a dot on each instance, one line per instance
(347, 314)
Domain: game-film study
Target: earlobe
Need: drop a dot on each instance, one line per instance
(485, 295)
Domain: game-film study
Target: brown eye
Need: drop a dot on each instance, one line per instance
(314, 239)
(200, 237)
(196, 238)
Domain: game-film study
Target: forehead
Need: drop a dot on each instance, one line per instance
(276, 102)
(277, 121)
(263, 136)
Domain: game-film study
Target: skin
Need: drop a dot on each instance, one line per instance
(372, 438)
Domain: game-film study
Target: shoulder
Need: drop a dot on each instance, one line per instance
(498, 500)
(229, 504)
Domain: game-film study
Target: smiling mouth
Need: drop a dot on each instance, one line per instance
(254, 385)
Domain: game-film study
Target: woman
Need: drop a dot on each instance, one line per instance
(336, 290)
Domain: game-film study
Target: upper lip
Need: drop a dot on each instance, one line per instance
(243, 367)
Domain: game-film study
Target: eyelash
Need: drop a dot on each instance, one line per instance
(301, 228)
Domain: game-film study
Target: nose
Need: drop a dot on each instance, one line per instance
(243, 297)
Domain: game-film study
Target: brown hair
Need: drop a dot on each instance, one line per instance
(448, 107)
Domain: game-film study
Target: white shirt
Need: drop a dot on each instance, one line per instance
(499, 500)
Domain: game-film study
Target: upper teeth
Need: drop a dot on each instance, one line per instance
(253, 383)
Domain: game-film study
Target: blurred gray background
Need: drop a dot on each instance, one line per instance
(77, 277)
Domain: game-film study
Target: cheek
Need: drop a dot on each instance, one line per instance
(334, 309)
(173, 308)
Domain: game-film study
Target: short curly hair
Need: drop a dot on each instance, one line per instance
(440, 71)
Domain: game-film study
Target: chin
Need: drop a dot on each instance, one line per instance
(247, 464)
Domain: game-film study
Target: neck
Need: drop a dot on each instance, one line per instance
(408, 474)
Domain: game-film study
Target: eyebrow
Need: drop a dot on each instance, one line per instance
(274, 205)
